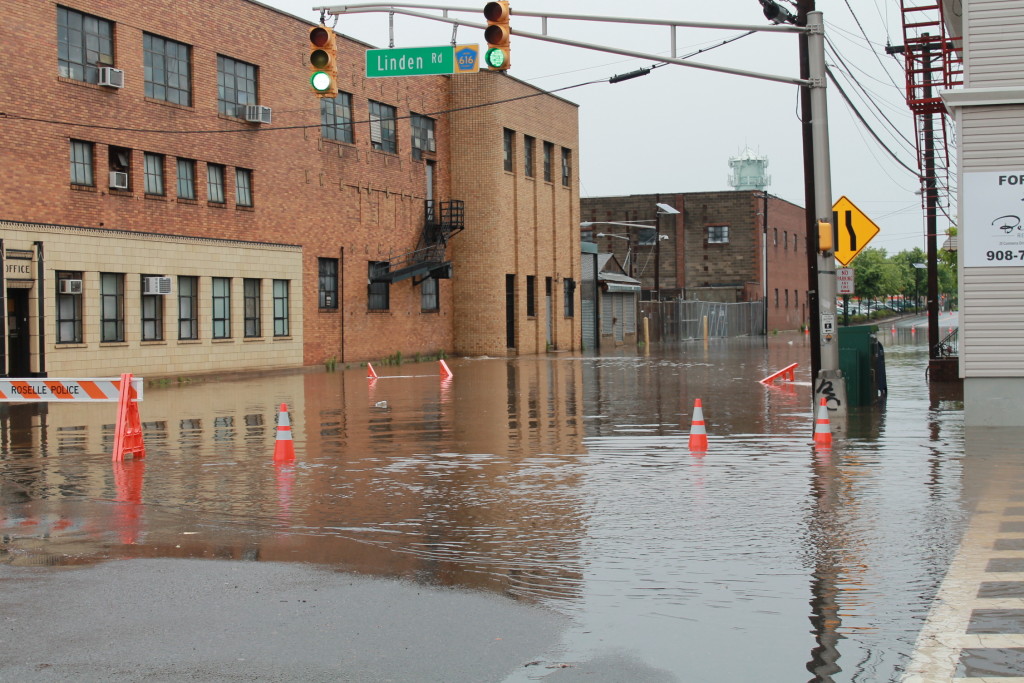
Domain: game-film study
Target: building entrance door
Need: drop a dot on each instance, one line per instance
(18, 339)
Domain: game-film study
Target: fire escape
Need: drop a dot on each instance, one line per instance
(441, 220)
(933, 61)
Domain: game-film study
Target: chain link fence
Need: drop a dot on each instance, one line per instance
(683, 320)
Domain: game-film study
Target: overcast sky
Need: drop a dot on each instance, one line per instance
(675, 129)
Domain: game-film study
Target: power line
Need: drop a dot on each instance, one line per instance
(849, 103)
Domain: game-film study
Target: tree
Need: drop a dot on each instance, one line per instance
(877, 275)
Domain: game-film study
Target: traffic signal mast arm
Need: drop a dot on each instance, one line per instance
(406, 10)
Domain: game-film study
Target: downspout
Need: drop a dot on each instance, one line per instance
(41, 301)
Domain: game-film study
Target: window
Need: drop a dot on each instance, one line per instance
(378, 294)
(153, 172)
(776, 297)
(336, 118)
(186, 179)
(84, 43)
(243, 187)
(251, 304)
(188, 307)
(167, 66)
(429, 298)
(215, 183)
(549, 153)
(718, 234)
(785, 240)
(531, 296)
(787, 297)
(508, 142)
(81, 163)
(528, 145)
(383, 135)
(422, 135)
(566, 166)
(569, 297)
(69, 309)
(119, 160)
(775, 237)
(328, 269)
(281, 308)
(236, 86)
(221, 308)
(152, 314)
(111, 307)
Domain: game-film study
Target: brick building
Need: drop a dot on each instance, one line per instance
(176, 200)
(712, 250)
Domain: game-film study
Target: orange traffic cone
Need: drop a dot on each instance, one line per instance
(822, 426)
(445, 370)
(370, 372)
(698, 434)
(284, 448)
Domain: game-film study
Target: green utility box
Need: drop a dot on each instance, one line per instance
(862, 361)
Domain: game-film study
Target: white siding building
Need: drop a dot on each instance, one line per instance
(989, 116)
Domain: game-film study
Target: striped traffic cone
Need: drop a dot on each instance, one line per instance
(698, 434)
(445, 370)
(284, 448)
(822, 426)
(370, 372)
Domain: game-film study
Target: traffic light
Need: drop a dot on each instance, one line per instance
(498, 56)
(825, 241)
(323, 62)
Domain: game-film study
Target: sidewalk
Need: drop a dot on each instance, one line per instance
(975, 630)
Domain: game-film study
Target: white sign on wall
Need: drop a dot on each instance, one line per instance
(993, 214)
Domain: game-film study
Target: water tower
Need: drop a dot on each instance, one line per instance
(749, 171)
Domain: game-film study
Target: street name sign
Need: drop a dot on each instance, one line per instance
(853, 230)
(423, 61)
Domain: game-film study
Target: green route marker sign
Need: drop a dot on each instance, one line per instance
(422, 61)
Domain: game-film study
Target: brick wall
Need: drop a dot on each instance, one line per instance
(336, 200)
(515, 224)
(693, 267)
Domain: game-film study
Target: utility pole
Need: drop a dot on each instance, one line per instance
(802, 9)
(932, 203)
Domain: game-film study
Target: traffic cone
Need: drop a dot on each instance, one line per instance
(284, 448)
(370, 372)
(822, 426)
(445, 370)
(698, 434)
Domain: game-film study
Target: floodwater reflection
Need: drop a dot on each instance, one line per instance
(563, 481)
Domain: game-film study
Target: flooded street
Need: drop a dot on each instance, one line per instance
(560, 482)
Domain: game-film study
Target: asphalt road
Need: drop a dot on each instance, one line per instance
(199, 620)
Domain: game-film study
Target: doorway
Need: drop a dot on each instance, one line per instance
(18, 335)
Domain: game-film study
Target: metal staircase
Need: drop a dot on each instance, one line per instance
(934, 61)
(441, 221)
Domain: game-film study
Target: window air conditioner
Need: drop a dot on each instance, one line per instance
(156, 285)
(70, 286)
(118, 180)
(111, 77)
(257, 113)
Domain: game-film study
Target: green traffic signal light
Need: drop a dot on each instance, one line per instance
(321, 81)
(495, 58)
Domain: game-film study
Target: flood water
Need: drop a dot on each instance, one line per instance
(560, 481)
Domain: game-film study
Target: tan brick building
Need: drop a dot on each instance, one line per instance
(714, 249)
(176, 200)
